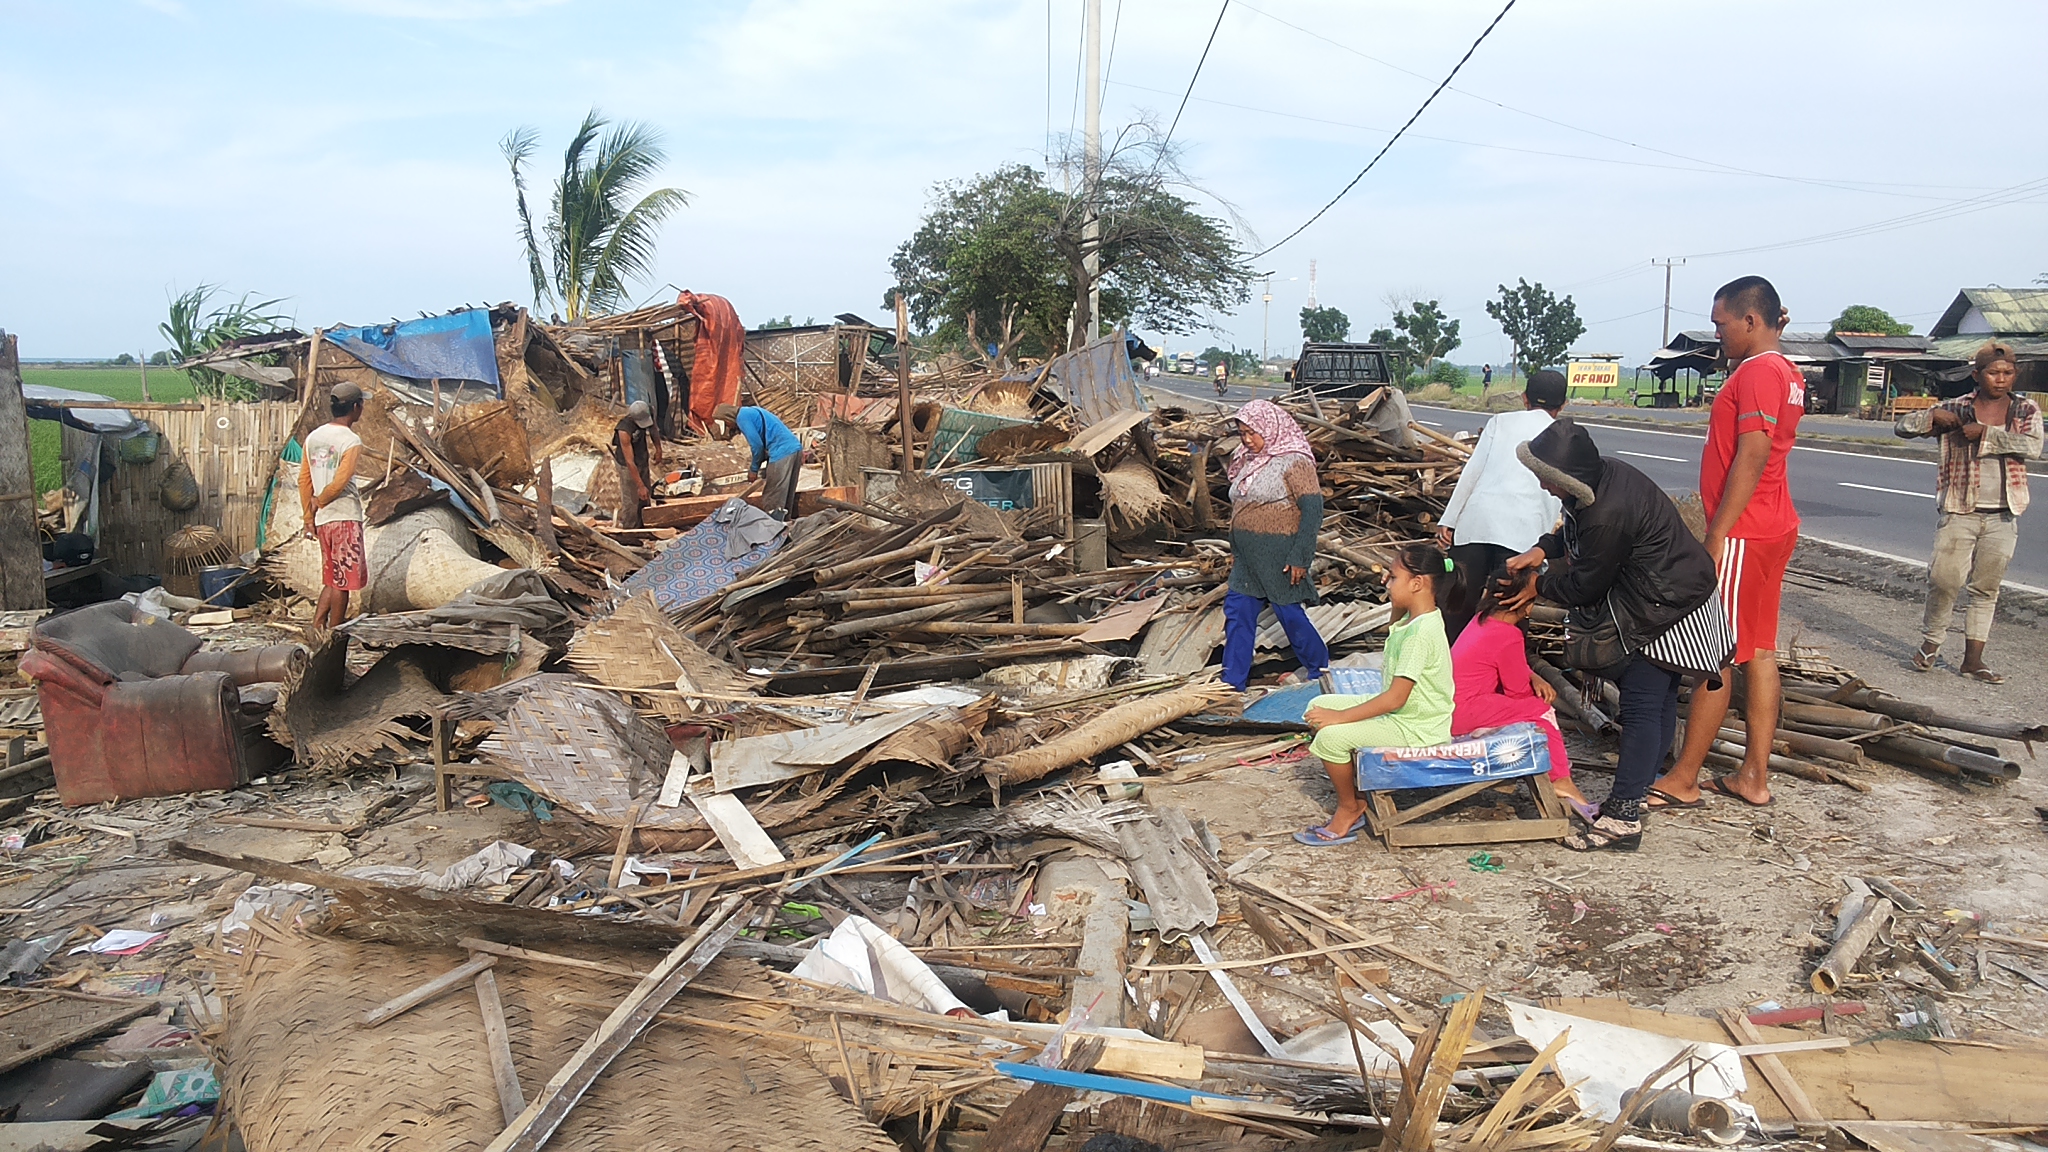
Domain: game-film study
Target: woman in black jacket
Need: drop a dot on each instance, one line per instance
(1622, 551)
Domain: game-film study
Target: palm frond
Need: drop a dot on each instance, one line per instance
(518, 146)
(629, 251)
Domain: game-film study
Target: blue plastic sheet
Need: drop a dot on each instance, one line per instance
(1503, 754)
(457, 346)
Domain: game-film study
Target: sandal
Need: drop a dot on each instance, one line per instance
(1923, 660)
(1718, 788)
(1661, 801)
(1606, 834)
(1319, 835)
(1986, 675)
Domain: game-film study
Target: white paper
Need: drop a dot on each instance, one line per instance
(1604, 1060)
(120, 940)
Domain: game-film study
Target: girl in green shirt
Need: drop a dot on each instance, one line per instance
(1415, 709)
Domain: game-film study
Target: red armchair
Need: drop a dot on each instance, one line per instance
(123, 717)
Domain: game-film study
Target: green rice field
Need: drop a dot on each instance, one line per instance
(45, 436)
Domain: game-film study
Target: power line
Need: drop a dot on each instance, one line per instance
(1398, 133)
(1198, 71)
(1114, 27)
(2031, 191)
(1048, 82)
(1844, 185)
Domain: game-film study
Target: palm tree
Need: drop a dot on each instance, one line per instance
(194, 330)
(596, 243)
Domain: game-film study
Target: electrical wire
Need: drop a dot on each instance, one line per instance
(1488, 31)
(1198, 71)
(1845, 185)
(1048, 83)
(2028, 192)
(1115, 27)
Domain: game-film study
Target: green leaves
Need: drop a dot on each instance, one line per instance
(1324, 325)
(193, 329)
(1868, 320)
(598, 238)
(1542, 326)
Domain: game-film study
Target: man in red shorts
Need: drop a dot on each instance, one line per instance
(330, 496)
(1751, 530)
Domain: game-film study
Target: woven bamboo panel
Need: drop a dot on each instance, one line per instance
(637, 647)
(232, 450)
(586, 750)
(298, 1073)
(796, 362)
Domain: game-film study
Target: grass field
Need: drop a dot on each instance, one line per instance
(45, 437)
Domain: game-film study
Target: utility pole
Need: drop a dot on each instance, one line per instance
(1666, 265)
(1311, 284)
(1266, 332)
(1091, 176)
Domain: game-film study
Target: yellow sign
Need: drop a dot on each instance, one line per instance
(1593, 374)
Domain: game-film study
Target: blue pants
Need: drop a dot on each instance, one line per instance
(1649, 722)
(1241, 627)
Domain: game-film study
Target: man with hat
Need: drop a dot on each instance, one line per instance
(632, 442)
(775, 455)
(330, 498)
(1987, 437)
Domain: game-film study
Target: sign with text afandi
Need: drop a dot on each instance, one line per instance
(1593, 373)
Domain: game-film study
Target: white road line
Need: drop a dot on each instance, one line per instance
(1891, 491)
(1652, 456)
(1431, 423)
(1910, 560)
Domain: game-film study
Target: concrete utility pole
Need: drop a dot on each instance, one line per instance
(1666, 265)
(1091, 175)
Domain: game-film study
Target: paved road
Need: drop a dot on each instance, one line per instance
(1880, 503)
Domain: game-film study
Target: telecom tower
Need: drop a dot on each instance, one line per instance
(1311, 284)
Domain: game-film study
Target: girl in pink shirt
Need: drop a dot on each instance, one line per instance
(1494, 685)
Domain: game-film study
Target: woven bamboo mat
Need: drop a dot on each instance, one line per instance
(586, 750)
(332, 728)
(637, 647)
(299, 1073)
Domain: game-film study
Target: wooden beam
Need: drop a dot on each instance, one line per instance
(21, 553)
(1773, 1069)
(532, 1128)
(499, 1040)
(399, 1005)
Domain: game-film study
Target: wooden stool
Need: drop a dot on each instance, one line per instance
(446, 773)
(1395, 825)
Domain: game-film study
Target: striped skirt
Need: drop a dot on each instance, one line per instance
(1699, 644)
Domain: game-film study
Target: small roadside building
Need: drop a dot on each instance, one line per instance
(2018, 316)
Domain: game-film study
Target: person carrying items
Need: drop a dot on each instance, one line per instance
(1752, 528)
(777, 455)
(1644, 610)
(636, 448)
(1414, 710)
(1490, 662)
(1987, 437)
(1498, 509)
(330, 496)
(1276, 509)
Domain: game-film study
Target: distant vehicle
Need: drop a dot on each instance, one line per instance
(1185, 363)
(1342, 371)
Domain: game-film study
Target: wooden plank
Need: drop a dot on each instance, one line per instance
(1441, 800)
(528, 954)
(853, 741)
(751, 761)
(533, 1126)
(21, 553)
(1029, 1119)
(625, 847)
(33, 1035)
(737, 830)
(499, 1040)
(405, 1002)
(672, 785)
(1478, 832)
(1772, 1068)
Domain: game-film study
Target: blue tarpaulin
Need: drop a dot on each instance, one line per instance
(457, 346)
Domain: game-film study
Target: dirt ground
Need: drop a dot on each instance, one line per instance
(1723, 906)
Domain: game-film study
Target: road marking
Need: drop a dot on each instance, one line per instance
(1431, 423)
(2029, 588)
(1891, 491)
(1653, 456)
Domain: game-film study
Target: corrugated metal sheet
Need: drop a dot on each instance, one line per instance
(1097, 380)
(1883, 343)
(2003, 311)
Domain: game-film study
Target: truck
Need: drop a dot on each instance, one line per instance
(1342, 371)
(1184, 364)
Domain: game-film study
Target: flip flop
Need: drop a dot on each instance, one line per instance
(1659, 800)
(1923, 660)
(1587, 810)
(1986, 675)
(1719, 789)
(1318, 835)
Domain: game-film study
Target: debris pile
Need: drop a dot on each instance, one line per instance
(835, 831)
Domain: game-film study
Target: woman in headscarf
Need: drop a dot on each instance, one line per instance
(1276, 508)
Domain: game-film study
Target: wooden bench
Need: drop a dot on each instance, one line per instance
(1900, 405)
(1395, 825)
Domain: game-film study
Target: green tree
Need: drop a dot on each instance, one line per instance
(124, 360)
(1241, 361)
(1869, 320)
(1009, 251)
(598, 236)
(1324, 325)
(160, 359)
(1400, 351)
(1541, 325)
(1430, 333)
(195, 327)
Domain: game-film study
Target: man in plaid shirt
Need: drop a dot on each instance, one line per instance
(1987, 437)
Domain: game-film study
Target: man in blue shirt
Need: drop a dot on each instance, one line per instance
(777, 454)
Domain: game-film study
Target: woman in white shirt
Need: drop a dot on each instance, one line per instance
(1498, 509)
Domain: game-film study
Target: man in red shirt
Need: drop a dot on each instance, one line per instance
(1751, 530)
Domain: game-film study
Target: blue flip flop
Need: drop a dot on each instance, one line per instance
(1315, 837)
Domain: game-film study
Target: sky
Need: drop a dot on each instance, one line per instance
(343, 154)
